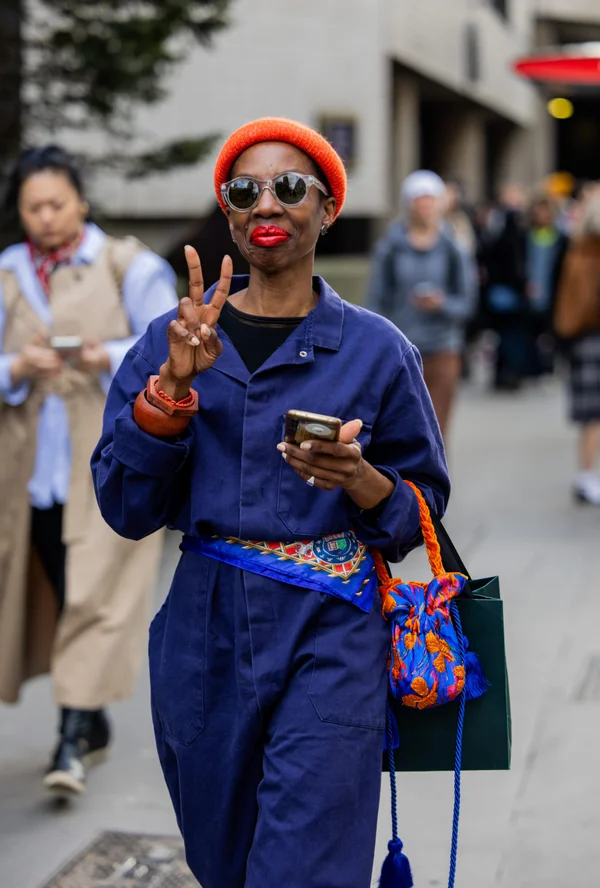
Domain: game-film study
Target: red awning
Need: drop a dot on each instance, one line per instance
(576, 63)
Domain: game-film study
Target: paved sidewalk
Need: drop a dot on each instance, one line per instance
(511, 514)
(538, 825)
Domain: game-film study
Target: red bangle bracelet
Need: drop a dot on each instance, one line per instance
(186, 407)
(155, 421)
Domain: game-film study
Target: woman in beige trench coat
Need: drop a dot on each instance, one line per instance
(73, 595)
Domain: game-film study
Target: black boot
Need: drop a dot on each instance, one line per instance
(84, 741)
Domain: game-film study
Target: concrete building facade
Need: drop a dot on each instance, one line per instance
(398, 84)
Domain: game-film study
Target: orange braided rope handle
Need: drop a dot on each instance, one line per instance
(387, 583)
(432, 546)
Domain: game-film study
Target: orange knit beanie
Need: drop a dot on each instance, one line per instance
(278, 129)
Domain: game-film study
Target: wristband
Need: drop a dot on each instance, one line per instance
(155, 421)
(186, 407)
(159, 415)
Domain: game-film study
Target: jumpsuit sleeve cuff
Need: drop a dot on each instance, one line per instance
(11, 394)
(393, 526)
(145, 454)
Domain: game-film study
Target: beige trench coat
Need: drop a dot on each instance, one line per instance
(94, 650)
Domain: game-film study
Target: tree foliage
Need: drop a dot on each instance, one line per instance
(89, 64)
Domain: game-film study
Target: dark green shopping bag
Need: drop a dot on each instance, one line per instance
(428, 736)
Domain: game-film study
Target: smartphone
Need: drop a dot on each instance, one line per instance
(66, 344)
(302, 426)
(423, 290)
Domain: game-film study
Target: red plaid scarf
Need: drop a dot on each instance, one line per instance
(46, 263)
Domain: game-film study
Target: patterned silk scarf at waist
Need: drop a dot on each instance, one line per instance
(338, 564)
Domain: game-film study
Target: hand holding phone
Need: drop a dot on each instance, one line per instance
(94, 357)
(423, 289)
(35, 361)
(427, 297)
(325, 454)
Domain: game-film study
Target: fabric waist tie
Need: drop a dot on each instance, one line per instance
(338, 564)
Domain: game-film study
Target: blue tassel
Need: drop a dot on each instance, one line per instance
(476, 684)
(395, 872)
(394, 736)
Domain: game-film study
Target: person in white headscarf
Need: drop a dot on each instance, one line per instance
(423, 282)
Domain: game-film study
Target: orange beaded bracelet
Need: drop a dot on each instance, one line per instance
(158, 414)
(186, 407)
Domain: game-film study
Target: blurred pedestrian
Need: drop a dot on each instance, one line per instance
(268, 658)
(577, 321)
(546, 246)
(460, 225)
(560, 188)
(458, 221)
(74, 596)
(504, 257)
(423, 282)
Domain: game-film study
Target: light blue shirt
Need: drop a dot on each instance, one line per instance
(148, 292)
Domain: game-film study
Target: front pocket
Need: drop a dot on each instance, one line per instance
(177, 651)
(349, 680)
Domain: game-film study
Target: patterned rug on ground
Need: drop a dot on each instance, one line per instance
(127, 860)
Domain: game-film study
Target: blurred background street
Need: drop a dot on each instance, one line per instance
(534, 827)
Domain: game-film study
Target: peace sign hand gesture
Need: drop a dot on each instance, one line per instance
(193, 342)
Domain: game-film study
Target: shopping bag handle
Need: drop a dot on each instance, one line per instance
(434, 552)
(450, 556)
(441, 551)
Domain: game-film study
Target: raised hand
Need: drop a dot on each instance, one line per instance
(193, 342)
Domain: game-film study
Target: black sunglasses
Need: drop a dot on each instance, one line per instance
(289, 189)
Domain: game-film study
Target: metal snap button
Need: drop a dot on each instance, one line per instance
(303, 354)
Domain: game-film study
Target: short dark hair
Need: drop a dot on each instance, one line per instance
(37, 160)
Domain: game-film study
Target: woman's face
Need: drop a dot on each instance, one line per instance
(542, 215)
(426, 210)
(52, 212)
(301, 224)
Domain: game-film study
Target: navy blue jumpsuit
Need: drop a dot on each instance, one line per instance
(268, 699)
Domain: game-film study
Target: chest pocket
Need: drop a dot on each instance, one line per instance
(308, 511)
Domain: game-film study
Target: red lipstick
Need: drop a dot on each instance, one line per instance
(269, 236)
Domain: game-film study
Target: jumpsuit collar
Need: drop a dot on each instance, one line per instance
(321, 328)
